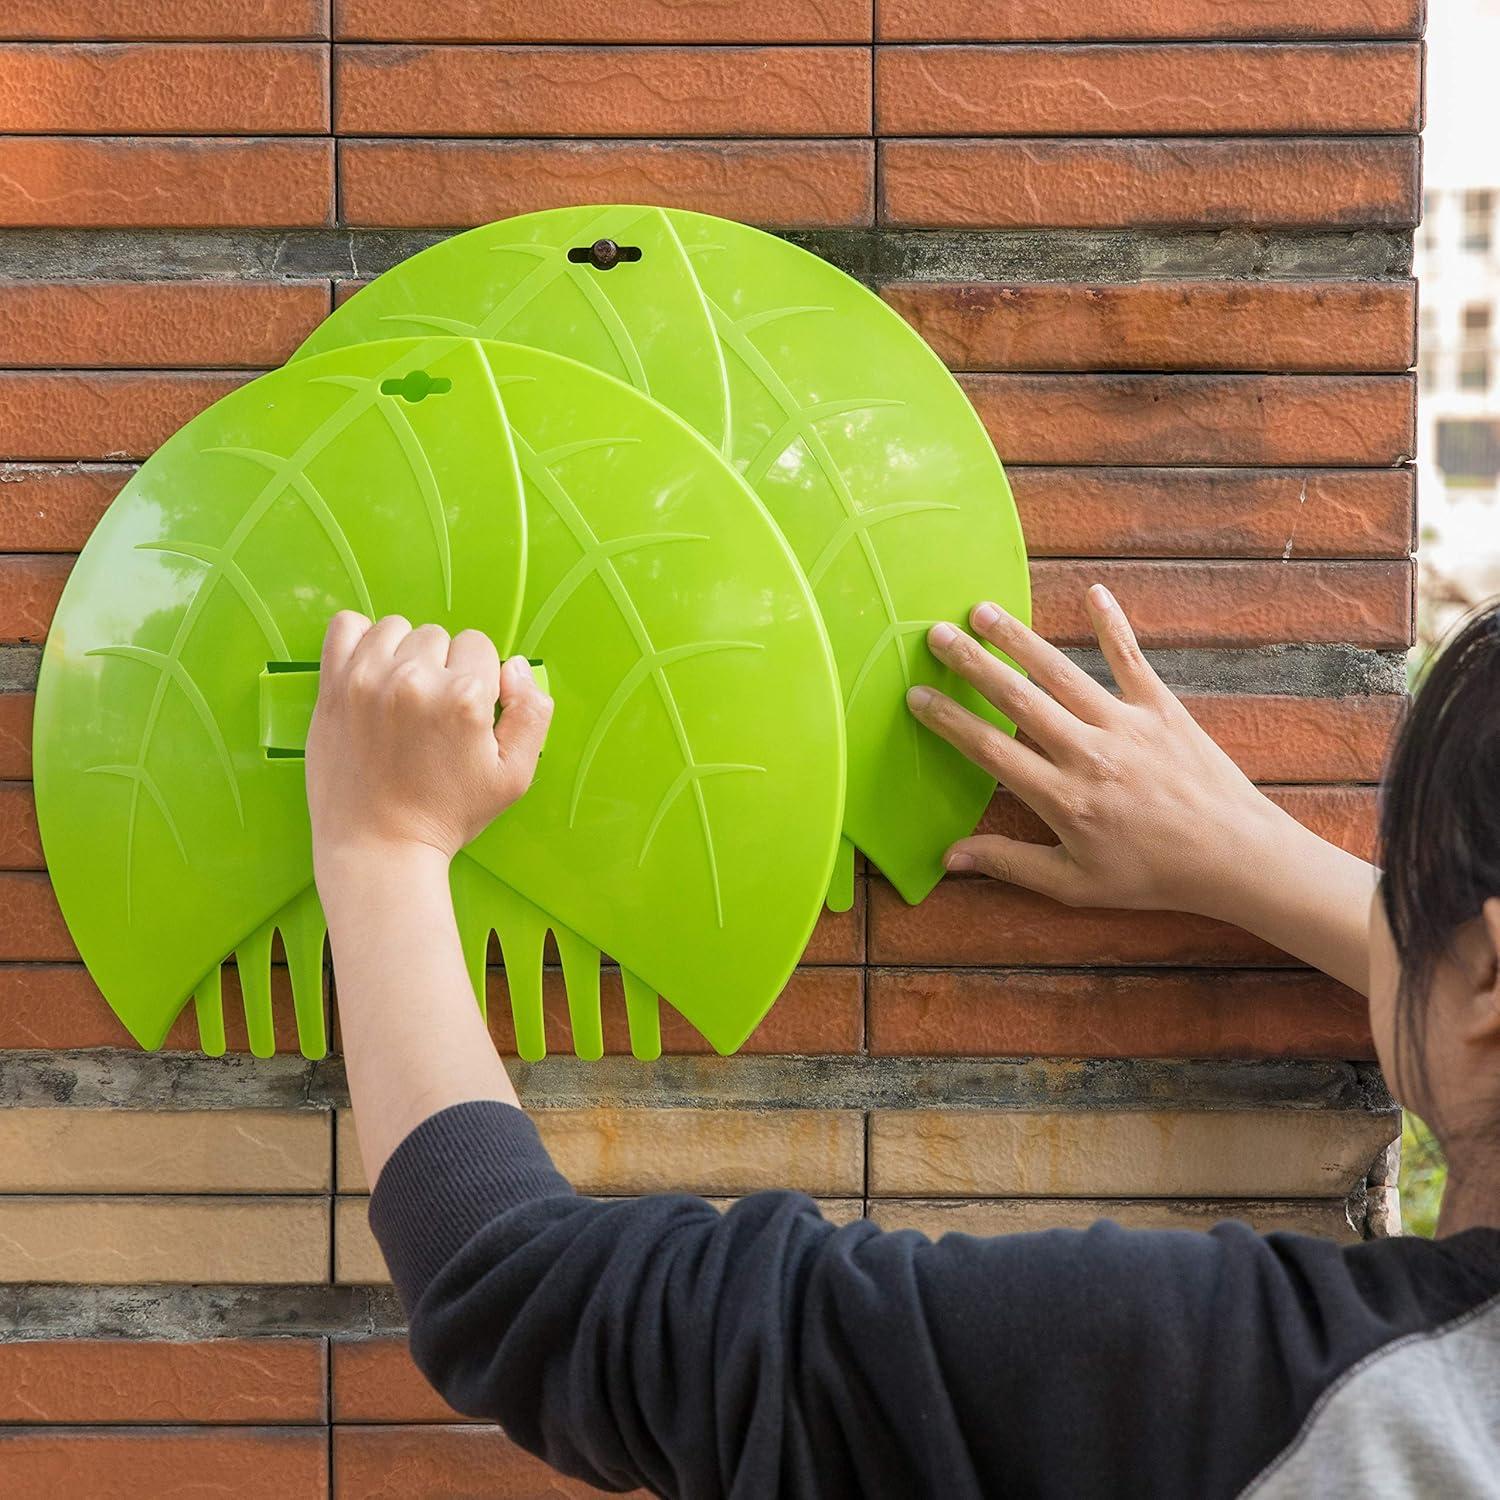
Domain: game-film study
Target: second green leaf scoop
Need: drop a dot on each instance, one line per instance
(860, 444)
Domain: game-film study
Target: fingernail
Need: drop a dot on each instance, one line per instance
(958, 861)
(919, 696)
(941, 633)
(522, 668)
(985, 615)
(1102, 597)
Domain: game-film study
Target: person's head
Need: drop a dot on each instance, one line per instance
(1435, 920)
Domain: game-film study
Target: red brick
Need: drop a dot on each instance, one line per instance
(344, 290)
(46, 508)
(1285, 513)
(603, 91)
(440, 183)
(101, 413)
(190, 19)
(1276, 738)
(31, 926)
(1117, 184)
(1231, 603)
(460, 1462)
(183, 88)
(1171, 1013)
(1059, 20)
(584, 21)
(129, 1380)
(1149, 90)
(29, 590)
(1166, 325)
(20, 847)
(820, 1010)
(1344, 815)
(839, 937)
(374, 1380)
(166, 1463)
(164, 182)
(984, 923)
(57, 1005)
(15, 734)
(1198, 419)
(211, 324)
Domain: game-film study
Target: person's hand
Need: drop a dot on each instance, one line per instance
(404, 751)
(1150, 812)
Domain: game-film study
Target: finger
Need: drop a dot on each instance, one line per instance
(1030, 776)
(473, 654)
(382, 638)
(1044, 868)
(1045, 721)
(427, 644)
(345, 631)
(1065, 680)
(1133, 674)
(521, 729)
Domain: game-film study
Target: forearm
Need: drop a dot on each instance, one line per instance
(414, 1040)
(1304, 895)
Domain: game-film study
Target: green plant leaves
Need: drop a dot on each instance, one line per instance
(854, 436)
(480, 486)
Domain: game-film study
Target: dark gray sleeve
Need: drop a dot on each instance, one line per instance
(763, 1351)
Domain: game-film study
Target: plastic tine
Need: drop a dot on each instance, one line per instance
(303, 931)
(208, 1002)
(523, 933)
(580, 964)
(841, 883)
(253, 958)
(643, 1015)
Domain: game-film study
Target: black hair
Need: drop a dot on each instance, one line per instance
(1440, 817)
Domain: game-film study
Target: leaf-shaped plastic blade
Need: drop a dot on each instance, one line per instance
(379, 479)
(686, 813)
(860, 444)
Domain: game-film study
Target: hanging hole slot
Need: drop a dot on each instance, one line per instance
(416, 385)
(603, 255)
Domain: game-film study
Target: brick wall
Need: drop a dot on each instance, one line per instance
(1167, 245)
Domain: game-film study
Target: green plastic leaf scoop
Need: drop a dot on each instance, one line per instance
(685, 817)
(846, 425)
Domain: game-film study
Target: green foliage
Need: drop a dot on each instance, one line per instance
(1424, 1174)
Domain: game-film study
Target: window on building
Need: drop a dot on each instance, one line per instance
(1474, 352)
(1469, 450)
(1427, 235)
(1479, 219)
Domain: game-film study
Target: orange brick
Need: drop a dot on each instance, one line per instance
(603, 91)
(101, 413)
(465, 1461)
(839, 937)
(45, 508)
(987, 924)
(1149, 90)
(29, 590)
(820, 1010)
(130, 1380)
(15, 733)
(374, 1380)
(1172, 1013)
(31, 926)
(183, 88)
(585, 21)
(1231, 603)
(1285, 513)
(125, 19)
(1166, 325)
(133, 1463)
(439, 183)
(1049, 20)
(1344, 815)
(162, 323)
(1198, 419)
(1106, 184)
(164, 182)
(20, 843)
(1276, 738)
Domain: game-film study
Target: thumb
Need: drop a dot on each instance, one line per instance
(1045, 868)
(521, 729)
